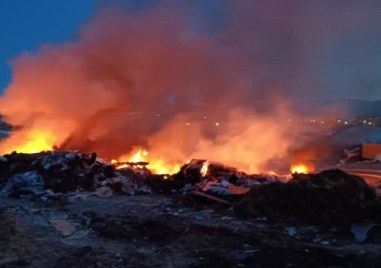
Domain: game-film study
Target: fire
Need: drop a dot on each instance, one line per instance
(107, 92)
(300, 169)
(139, 156)
(155, 164)
(159, 166)
(36, 140)
(204, 168)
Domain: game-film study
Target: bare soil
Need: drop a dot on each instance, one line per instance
(167, 231)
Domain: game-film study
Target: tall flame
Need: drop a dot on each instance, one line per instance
(35, 140)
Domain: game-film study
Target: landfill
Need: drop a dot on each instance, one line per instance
(69, 208)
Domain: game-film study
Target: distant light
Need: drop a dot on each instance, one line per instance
(217, 124)
(339, 121)
(364, 121)
(157, 115)
(346, 122)
(205, 117)
(369, 123)
(322, 122)
(188, 124)
(289, 120)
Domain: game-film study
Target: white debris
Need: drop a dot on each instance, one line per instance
(63, 226)
(360, 231)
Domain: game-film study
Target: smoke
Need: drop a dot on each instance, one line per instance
(152, 77)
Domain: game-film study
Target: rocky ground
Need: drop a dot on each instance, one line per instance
(168, 231)
(67, 209)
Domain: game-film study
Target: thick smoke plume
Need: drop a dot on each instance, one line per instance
(155, 79)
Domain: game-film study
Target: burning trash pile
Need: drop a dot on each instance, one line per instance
(331, 196)
(213, 179)
(63, 172)
(47, 173)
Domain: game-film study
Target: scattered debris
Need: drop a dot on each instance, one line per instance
(65, 227)
(351, 155)
(65, 172)
(174, 230)
(210, 197)
(360, 231)
(330, 197)
(27, 183)
(104, 192)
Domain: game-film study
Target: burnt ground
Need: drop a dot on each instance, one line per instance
(168, 231)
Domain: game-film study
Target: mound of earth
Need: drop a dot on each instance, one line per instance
(329, 197)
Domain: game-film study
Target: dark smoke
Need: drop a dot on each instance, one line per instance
(184, 79)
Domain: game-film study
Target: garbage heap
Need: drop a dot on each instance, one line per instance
(64, 172)
(39, 174)
(332, 196)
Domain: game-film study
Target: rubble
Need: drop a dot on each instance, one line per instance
(330, 197)
(164, 231)
(65, 227)
(220, 180)
(73, 171)
(65, 172)
(27, 183)
(350, 155)
(7, 226)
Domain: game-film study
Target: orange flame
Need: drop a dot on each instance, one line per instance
(156, 165)
(159, 166)
(139, 156)
(301, 169)
(35, 141)
(107, 91)
(204, 168)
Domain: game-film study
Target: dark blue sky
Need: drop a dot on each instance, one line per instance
(26, 25)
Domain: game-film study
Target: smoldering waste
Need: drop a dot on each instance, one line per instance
(331, 197)
(48, 173)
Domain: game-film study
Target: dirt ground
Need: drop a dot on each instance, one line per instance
(167, 231)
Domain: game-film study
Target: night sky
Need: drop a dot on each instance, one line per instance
(335, 44)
